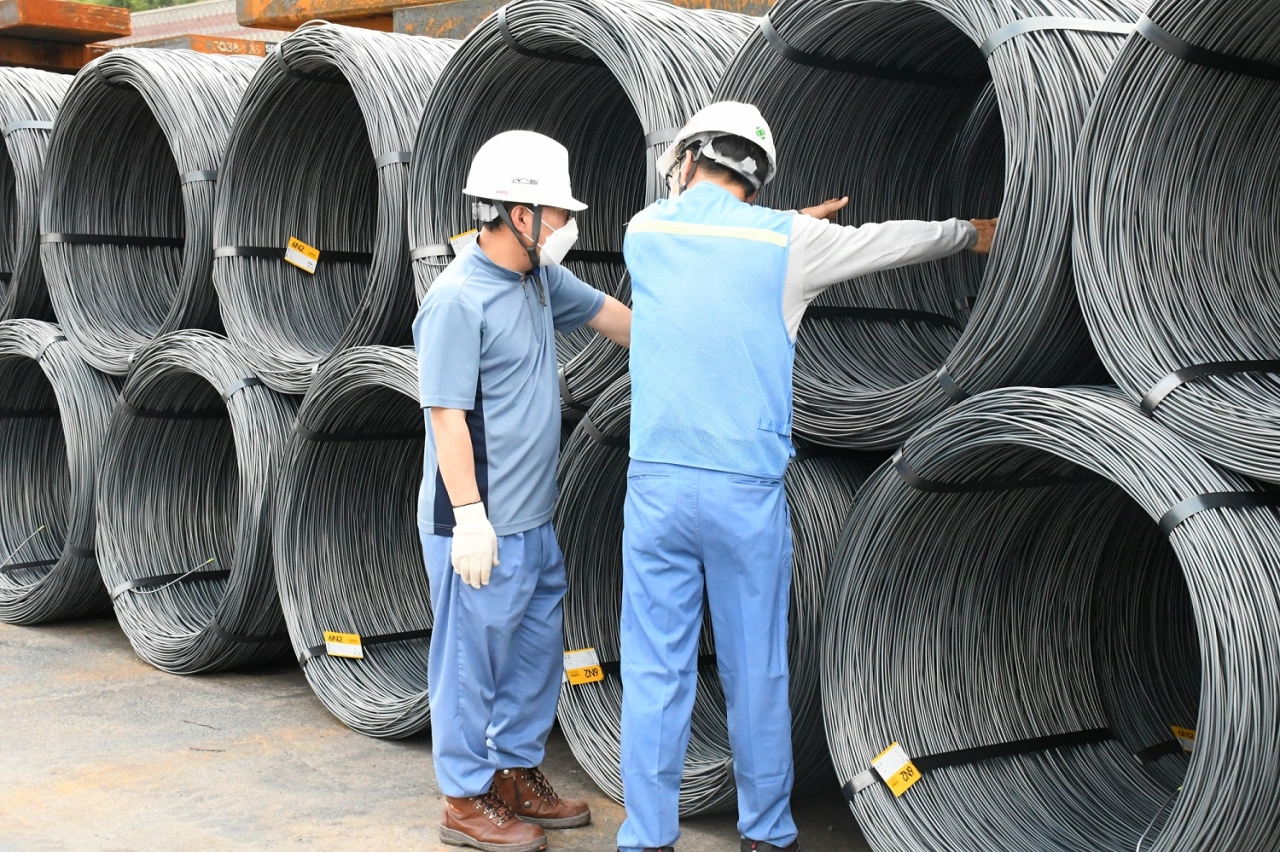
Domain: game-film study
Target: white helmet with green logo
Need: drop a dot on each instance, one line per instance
(724, 118)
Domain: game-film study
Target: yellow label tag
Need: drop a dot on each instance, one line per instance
(582, 666)
(302, 255)
(343, 645)
(1186, 737)
(461, 241)
(897, 770)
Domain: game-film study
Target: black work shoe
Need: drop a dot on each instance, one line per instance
(765, 846)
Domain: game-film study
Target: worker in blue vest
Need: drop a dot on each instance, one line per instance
(719, 288)
(485, 338)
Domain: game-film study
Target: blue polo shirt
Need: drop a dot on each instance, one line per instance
(486, 344)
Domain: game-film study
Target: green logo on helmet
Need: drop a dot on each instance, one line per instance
(760, 132)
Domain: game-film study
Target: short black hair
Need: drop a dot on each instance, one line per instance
(737, 148)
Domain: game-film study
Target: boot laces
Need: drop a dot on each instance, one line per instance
(494, 807)
(539, 785)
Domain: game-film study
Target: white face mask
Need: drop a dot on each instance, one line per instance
(558, 243)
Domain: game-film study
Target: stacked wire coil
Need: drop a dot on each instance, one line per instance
(28, 103)
(611, 81)
(1178, 247)
(1004, 579)
(341, 191)
(916, 123)
(593, 482)
(52, 423)
(348, 554)
(185, 499)
(126, 219)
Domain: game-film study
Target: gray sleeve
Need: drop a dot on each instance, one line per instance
(822, 254)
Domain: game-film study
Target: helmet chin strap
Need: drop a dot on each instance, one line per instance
(532, 250)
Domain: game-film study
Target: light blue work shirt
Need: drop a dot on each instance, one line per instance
(486, 344)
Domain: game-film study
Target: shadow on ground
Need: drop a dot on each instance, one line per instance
(102, 753)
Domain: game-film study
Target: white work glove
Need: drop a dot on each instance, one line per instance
(475, 545)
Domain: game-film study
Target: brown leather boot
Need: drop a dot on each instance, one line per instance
(486, 823)
(530, 795)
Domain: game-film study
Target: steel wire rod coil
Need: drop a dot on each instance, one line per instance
(126, 220)
(1029, 599)
(184, 507)
(1177, 249)
(28, 102)
(593, 482)
(916, 124)
(52, 422)
(348, 554)
(611, 80)
(340, 190)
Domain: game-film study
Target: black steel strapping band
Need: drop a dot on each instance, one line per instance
(82, 552)
(44, 350)
(6, 276)
(322, 650)
(27, 125)
(213, 414)
(1051, 22)
(965, 303)
(392, 157)
(239, 385)
(566, 396)
(881, 315)
(622, 443)
(661, 137)
(273, 252)
(246, 640)
(114, 240)
(866, 69)
(1177, 378)
(949, 386)
(8, 413)
(161, 579)
(960, 757)
(806, 453)
(1188, 52)
(510, 41)
(614, 667)
(340, 437)
(19, 566)
(200, 176)
(583, 255)
(919, 483)
(1157, 751)
(1216, 500)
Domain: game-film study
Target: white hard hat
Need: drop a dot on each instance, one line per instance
(524, 167)
(724, 118)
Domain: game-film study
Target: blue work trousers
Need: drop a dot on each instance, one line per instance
(496, 659)
(686, 529)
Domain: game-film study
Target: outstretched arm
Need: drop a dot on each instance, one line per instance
(613, 321)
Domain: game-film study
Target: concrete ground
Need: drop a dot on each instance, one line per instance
(100, 752)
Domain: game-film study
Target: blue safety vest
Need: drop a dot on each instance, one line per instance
(711, 357)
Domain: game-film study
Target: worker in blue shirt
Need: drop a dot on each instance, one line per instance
(485, 338)
(719, 288)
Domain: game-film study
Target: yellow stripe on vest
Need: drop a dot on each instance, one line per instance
(690, 229)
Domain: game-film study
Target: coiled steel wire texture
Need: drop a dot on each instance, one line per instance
(1178, 247)
(340, 190)
(593, 483)
(126, 220)
(52, 423)
(28, 102)
(894, 105)
(348, 554)
(611, 81)
(184, 506)
(1049, 578)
